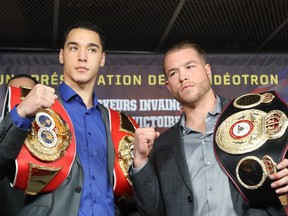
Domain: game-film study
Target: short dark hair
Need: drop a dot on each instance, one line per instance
(187, 44)
(87, 26)
(23, 76)
(183, 45)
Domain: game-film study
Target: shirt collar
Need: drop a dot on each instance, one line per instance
(217, 110)
(67, 93)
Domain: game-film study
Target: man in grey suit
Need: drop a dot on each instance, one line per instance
(179, 174)
(88, 188)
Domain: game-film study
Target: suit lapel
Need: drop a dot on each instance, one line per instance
(176, 143)
(110, 145)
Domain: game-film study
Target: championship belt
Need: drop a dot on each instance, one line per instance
(122, 129)
(47, 155)
(250, 139)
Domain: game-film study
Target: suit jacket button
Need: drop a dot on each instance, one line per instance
(78, 189)
(189, 198)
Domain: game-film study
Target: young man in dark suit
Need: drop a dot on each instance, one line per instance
(86, 187)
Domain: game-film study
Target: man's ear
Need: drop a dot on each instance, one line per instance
(167, 85)
(208, 70)
(61, 58)
(103, 59)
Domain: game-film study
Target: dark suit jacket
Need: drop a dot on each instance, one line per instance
(163, 186)
(65, 199)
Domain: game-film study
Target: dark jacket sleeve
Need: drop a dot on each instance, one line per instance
(146, 190)
(11, 142)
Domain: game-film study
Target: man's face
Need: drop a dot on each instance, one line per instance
(82, 57)
(23, 82)
(188, 77)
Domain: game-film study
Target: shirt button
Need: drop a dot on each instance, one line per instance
(93, 177)
(189, 199)
(208, 163)
(89, 133)
(210, 188)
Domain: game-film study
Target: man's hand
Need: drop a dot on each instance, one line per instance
(143, 143)
(280, 178)
(40, 96)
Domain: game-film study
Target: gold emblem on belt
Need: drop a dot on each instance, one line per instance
(50, 136)
(248, 130)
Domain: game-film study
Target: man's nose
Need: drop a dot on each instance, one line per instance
(183, 76)
(82, 56)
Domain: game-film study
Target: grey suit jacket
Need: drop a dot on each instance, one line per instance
(163, 187)
(65, 199)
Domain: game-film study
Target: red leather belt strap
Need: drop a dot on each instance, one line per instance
(47, 155)
(122, 129)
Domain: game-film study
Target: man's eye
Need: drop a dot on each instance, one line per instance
(73, 48)
(189, 67)
(92, 50)
(173, 73)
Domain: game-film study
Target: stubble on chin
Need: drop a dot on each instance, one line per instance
(192, 97)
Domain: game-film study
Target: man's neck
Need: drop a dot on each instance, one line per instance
(196, 115)
(85, 91)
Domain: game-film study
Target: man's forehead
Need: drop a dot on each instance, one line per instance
(81, 33)
(22, 81)
(83, 37)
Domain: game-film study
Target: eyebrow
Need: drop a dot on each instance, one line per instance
(189, 62)
(89, 44)
(185, 64)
